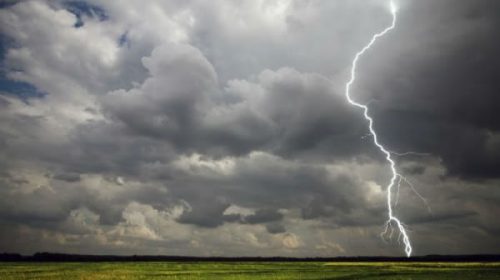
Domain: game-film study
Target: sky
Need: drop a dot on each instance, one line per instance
(220, 128)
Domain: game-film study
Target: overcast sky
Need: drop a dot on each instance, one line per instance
(220, 127)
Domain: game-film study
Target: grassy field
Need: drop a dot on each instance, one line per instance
(249, 270)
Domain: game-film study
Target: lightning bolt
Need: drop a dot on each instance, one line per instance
(392, 219)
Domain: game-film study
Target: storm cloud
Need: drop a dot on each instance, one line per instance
(221, 128)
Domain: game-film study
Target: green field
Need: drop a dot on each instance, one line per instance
(249, 270)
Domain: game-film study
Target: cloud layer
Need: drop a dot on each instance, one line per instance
(196, 128)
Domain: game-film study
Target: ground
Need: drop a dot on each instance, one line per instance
(249, 270)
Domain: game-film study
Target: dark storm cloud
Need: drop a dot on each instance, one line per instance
(445, 217)
(264, 216)
(225, 126)
(268, 183)
(286, 112)
(442, 96)
(414, 169)
(310, 120)
(174, 109)
(205, 214)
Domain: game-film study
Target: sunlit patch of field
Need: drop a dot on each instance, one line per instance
(249, 270)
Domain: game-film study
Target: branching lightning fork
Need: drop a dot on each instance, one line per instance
(392, 219)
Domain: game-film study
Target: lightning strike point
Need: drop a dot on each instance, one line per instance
(392, 220)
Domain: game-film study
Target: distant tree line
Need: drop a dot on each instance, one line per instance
(56, 257)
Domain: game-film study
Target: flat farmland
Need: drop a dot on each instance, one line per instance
(249, 270)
